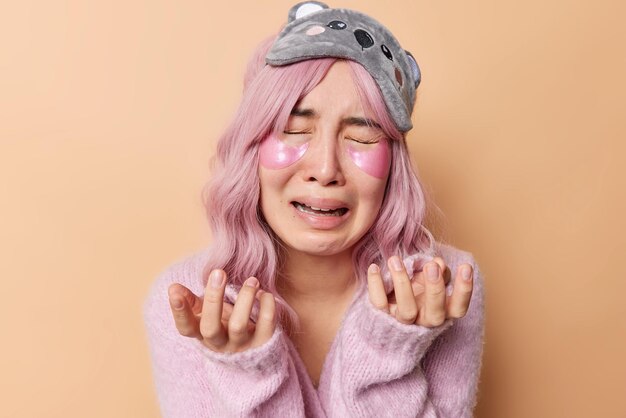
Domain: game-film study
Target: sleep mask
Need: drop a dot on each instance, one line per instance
(316, 31)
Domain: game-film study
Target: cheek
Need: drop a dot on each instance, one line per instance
(374, 161)
(269, 199)
(275, 154)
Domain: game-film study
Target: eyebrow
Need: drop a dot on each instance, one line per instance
(356, 121)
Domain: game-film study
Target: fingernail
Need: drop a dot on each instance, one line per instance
(466, 272)
(395, 263)
(373, 268)
(177, 303)
(252, 282)
(216, 279)
(432, 272)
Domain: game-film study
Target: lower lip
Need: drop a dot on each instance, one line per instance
(321, 221)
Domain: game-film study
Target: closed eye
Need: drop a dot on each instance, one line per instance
(363, 141)
(296, 132)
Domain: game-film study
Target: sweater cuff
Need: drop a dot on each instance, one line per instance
(384, 332)
(263, 360)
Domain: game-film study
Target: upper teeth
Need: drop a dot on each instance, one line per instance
(314, 208)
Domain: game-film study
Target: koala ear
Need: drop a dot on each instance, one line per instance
(305, 8)
(415, 69)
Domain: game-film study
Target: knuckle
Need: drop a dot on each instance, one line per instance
(466, 295)
(406, 315)
(381, 306)
(213, 297)
(180, 317)
(459, 313)
(266, 316)
(463, 293)
(267, 312)
(463, 286)
(211, 346)
(267, 300)
(186, 331)
(244, 302)
(209, 329)
(436, 319)
(400, 278)
(247, 291)
(427, 323)
(437, 290)
(237, 329)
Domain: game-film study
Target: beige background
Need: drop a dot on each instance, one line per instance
(108, 113)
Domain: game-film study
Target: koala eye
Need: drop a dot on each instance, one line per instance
(337, 24)
(363, 38)
(387, 52)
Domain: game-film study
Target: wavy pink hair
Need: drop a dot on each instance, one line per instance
(243, 243)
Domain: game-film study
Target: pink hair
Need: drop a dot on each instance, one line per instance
(243, 244)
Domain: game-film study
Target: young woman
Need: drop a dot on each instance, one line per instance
(322, 293)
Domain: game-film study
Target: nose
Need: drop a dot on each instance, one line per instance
(323, 163)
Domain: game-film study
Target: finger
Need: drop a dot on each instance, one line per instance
(184, 318)
(266, 322)
(433, 312)
(227, 310)
(406, 306)
(419, 277)
(238, 332)
(458, 302)
(177, 290)
(443, 268)
(376, 289)
(211, 321)
(417, 284)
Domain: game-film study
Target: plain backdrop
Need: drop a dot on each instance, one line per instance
(109, 111)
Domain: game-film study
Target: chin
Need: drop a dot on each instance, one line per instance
(318, 246)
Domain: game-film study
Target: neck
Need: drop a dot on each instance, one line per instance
(316, 279)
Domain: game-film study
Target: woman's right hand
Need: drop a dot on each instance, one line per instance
(221, 326)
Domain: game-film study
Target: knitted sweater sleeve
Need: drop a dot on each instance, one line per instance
(384, 368)
(194, 381)
(452, 364)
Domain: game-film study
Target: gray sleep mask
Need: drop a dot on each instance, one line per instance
(315, 31)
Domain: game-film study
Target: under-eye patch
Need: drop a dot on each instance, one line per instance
(374, 159)
(276, 154)
(315, 31)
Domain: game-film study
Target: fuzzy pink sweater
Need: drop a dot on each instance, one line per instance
(376, 367)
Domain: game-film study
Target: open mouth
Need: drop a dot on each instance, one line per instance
(319, 211)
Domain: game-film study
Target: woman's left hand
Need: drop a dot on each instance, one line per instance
(421, 300)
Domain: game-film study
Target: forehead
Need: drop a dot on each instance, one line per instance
(337, 93)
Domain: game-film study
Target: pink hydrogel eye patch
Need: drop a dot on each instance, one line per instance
(374, 160)
(275, 154)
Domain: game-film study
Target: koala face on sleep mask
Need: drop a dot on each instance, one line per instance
(315, 31)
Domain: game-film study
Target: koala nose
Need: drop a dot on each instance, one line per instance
(363, 38)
